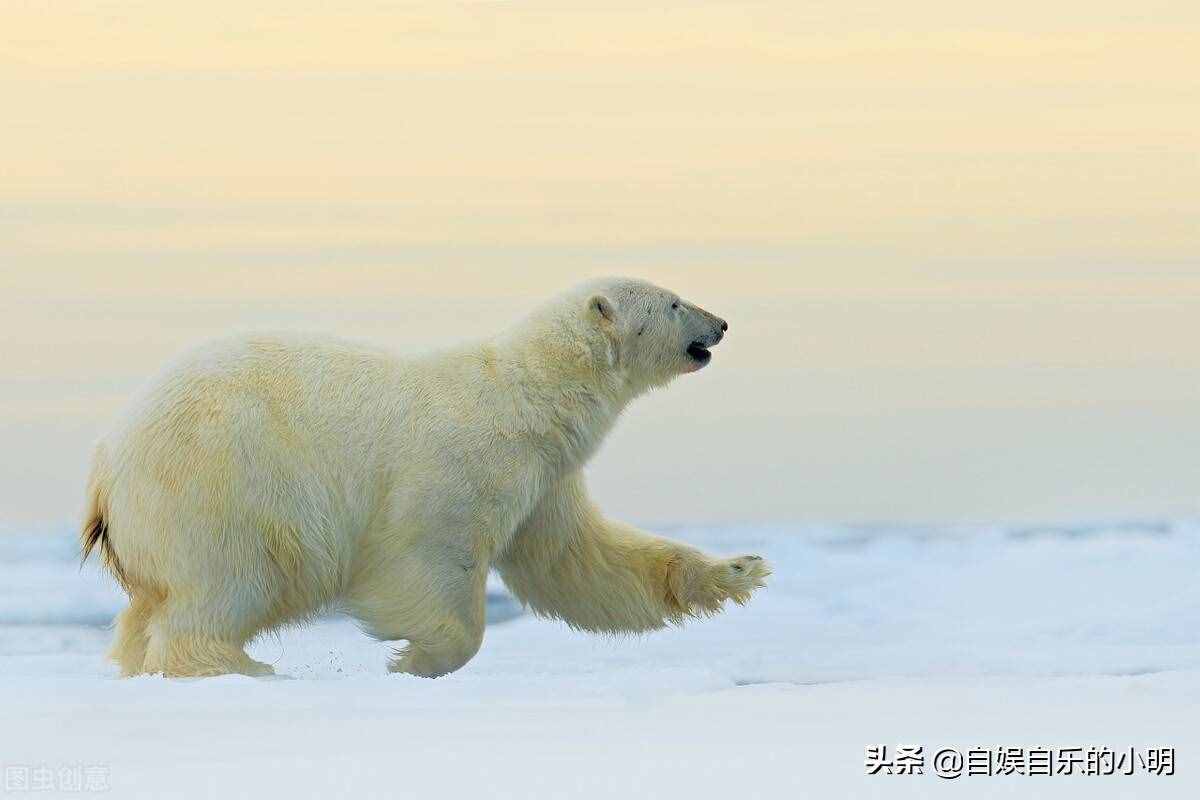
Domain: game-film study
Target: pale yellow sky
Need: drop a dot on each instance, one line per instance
(958, 245)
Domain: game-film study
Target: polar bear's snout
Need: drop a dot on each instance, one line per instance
(711, 331)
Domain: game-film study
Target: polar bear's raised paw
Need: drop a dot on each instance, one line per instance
(701, 584)
(743, 575)
(736, 578)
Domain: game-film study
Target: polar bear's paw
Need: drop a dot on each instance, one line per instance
(703, 589)
(257, 669)
(740, 576)
(435, 659)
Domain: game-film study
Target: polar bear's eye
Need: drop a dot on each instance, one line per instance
(675, 305)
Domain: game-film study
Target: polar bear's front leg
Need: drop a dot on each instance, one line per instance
(435, 603)
(569, 562)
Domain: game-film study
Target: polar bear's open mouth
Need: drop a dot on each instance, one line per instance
(699, 352)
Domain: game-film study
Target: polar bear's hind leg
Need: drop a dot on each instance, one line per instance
(187, 639)
(132, 636)
(196, 655)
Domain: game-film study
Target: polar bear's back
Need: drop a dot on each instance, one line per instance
(256, 450)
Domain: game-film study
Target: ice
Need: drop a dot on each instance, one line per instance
(1082, 635)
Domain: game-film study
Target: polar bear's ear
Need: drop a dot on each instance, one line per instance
(603, 308)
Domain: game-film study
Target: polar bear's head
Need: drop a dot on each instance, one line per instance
(651, 333)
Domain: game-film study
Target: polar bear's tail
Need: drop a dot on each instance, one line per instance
(95, 525)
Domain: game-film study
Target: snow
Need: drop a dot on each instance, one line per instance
(942, 637)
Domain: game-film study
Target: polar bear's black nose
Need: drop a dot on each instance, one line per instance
(724, 325)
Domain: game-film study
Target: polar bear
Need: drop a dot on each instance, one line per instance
(262, 479)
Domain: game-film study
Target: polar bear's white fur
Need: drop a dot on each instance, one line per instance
(264, 478)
